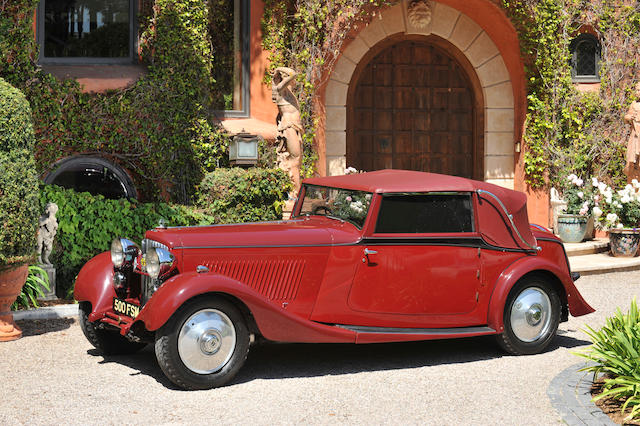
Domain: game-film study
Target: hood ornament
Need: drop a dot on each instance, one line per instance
(162, 224)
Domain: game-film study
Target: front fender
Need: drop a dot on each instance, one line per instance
(510, 276)
(274, 322)
(95, 284)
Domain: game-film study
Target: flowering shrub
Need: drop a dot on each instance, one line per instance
(578, 195)
(617, 208)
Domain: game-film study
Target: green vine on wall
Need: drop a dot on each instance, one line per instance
(159, 128)
(308, 36)
(568, 131)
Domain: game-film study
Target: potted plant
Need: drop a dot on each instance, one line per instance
(620, 215)
(18, 202)
(576, 224)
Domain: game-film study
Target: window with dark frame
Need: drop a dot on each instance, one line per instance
(425, 213)
(229, 29)
(585, 59)
(86, 31)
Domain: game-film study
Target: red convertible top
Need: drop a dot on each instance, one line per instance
(493, 224)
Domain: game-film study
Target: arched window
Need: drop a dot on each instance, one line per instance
(585, 59)
(94, 175)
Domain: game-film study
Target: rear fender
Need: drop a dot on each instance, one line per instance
(273, 321)
(510, 276)
(95, 285)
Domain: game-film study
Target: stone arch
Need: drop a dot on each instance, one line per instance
(475, 44)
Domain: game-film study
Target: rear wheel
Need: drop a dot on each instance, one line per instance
(203, 345)
(531, 317)
(109, 342)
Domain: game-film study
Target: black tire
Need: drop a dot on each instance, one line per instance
(522, 337)
(232, 354)
(109, 342)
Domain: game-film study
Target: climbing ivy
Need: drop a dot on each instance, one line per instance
(568, 131)
(308, 35)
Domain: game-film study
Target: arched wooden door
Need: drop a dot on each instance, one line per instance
(413, 105)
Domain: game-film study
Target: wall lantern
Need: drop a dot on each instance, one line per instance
(243, 149)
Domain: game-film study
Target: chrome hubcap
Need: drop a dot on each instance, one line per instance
(531, 314)
(206, 341)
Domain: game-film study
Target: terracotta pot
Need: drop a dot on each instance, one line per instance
(12, 278)
(624, 242)
(573, 228)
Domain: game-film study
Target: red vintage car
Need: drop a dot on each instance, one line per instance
(386, 256)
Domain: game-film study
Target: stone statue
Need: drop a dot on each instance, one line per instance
(419, 13)
(290, 131)
(48, 226)
(633, 146)
(558, 206)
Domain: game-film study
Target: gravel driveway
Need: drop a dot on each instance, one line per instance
(53, 376)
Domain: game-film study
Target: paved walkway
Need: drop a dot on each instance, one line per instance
(53, 376)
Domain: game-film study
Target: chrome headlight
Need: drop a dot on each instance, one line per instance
(159, 262)
(123, 252)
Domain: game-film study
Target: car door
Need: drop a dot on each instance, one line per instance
(422, 259)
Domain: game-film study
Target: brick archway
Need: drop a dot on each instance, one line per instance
(480, 51)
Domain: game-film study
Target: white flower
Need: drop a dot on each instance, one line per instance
(619, 226)
(583, 211)
(597, 212)
(612, 217)
(572, 177)
(367, 197)
(635, 183)
(578, 182)
(594, 181)
(580, 194)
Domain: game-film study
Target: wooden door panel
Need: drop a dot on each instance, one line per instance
(413, 108)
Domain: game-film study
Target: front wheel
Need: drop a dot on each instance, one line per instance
(531, 317)
(203, 345)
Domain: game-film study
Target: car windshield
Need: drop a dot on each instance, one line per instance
(337, 203)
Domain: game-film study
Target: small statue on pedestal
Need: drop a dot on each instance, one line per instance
(290, 131)
(48, 227)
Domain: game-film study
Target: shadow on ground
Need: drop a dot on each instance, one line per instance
(292, 360)
(38, 327)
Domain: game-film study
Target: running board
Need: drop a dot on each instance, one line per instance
(451, 332)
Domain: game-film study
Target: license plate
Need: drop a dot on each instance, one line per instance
(125, 308)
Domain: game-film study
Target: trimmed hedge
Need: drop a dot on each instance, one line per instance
(88, 223)
(18, 180)
(239, 195)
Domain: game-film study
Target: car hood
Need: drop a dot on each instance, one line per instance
(305, 231)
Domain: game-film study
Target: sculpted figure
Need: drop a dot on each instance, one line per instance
(289, 139)
(48, 227)
(419, 13)
(633, 146)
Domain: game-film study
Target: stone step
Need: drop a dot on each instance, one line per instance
(598, 245)
(600, 263)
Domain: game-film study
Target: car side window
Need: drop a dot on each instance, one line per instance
(425, 213)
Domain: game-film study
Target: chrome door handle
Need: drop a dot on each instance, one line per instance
(367, 252)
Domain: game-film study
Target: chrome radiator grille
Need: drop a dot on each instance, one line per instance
(149, 285)
(150, 243)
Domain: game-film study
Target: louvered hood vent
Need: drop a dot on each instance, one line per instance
(275, 279)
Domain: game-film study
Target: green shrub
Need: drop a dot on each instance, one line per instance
(32, 289)
(616, 352)
(87, 224)
(237, 195)
(18, 180)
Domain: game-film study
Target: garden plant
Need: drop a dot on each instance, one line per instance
(616, 353)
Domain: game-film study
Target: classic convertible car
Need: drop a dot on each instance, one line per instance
(385, 256)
